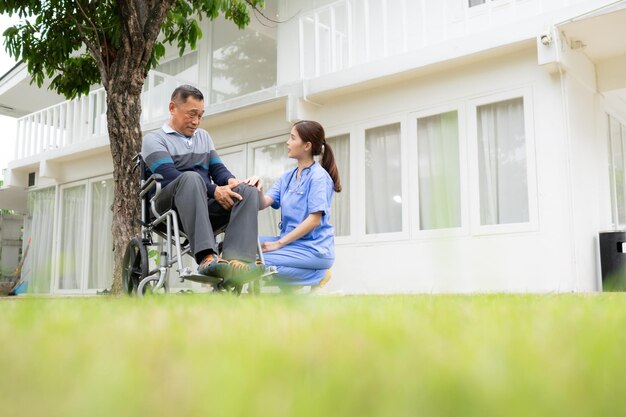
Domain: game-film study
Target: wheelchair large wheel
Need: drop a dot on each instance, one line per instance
(134, 266)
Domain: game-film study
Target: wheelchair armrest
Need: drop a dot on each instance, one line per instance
(152, 181)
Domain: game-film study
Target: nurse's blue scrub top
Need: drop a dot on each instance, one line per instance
(299, 197)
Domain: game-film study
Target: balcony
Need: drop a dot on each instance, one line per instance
(83, 120)
(348, 33)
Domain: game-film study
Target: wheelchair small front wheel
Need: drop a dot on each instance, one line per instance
(148, 286)
(134, 266)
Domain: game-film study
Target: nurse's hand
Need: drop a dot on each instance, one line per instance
(255, 182)
(225, 196)
(270, 246)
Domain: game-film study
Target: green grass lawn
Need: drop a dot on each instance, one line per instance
(210, 355)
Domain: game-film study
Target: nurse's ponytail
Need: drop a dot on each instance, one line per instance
(313, 132)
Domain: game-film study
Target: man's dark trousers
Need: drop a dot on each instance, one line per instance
(199, 216)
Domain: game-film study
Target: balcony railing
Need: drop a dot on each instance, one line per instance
(347, 33)
(84, 119)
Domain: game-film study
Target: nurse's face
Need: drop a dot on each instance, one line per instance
(296, 147)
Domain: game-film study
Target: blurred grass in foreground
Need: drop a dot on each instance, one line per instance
(205, 355)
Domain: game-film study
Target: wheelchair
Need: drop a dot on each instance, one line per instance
(137, 276)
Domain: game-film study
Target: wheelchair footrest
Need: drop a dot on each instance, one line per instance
(203, 279)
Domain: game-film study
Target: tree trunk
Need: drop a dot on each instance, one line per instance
(123, 118)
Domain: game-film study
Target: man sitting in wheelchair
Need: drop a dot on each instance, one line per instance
(203, 192)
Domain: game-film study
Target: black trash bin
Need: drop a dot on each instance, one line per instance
(613, 260)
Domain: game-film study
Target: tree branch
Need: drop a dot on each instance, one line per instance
(130, 19)
(153, 25)
(101, 43)
(94, 51)
(258, 11)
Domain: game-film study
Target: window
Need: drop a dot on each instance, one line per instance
(439, 174)
(73, 254)
(324, 42)
(617, 166)
(269, 162)
(385, 28)
(101, 248)
(183, 67)
(234, 159)
(502, 163)
(243, 61)
(39, 229)
(72, 237)
(340, 210)
(383, 176)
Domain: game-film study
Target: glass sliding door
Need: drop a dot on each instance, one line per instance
(71, 256)
(101, 259)
(39, 229)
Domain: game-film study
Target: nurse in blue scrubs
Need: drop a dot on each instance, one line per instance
(305, 248)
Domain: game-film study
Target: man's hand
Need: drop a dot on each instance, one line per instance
(225, 196)
(233, 182)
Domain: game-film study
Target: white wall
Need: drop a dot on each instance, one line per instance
(536, 260)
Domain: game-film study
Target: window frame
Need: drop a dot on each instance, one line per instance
(488, 4)
(251, 147)
(353, 157)
(88, 220)
(360, 233)
(229, 150)
(615, 220)
(313, 16)
(532, 225)
(413, 117)
(55, 229)
(57, 250)
(86, 250)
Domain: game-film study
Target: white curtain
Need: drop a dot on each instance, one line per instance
(340, 208)
(101, 256)
(502, 162)
(71, 255)
(39, 228)
(270, 162)
(439, 176)
(383, 179)
(616, 142)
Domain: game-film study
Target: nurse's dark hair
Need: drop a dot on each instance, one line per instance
(310, 131)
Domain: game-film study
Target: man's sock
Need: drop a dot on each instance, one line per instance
(203, 254)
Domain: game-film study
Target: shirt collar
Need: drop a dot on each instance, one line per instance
(169, 130)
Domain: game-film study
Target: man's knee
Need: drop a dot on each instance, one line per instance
(248, 192)
(245, 190)
(191, 179)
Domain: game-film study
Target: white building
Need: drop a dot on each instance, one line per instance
(480, 143)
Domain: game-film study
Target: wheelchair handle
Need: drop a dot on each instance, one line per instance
(152, 181)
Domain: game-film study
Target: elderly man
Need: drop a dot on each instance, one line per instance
(202, 190)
